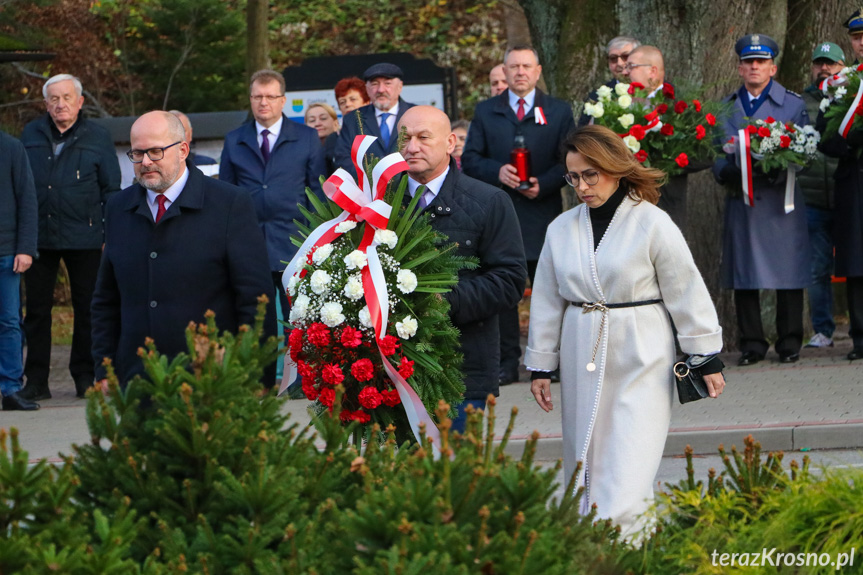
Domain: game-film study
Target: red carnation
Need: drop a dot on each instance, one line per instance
(633, 86)
(319, 334)
(752, 130)
(860, 68)
(667, 130)
(770, 119)
(784, 141)
(391, 398)
(295, 341)
(680, 106)
(668, 92)
(711, 119)
(363, 370)
(388, 345)
(790, 128)
(406, 368)
(351, 337)
(700, 132)
(697, 105)
(662, 108)
(641, 156)
(332, 374)
(305, 370)
(764, 132)
(682, 160)
(637, 131)
(310, 391)
(370, 397)
(346, 416)
(361, 416)
(327, 396)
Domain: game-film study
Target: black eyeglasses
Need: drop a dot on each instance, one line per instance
(573, 179)
(613, 58)
(155, 154)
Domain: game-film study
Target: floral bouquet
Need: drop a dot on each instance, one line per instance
(366, 308)
(775, 146)
(840, 109)
(673, 135)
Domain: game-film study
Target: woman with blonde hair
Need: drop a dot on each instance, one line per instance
(323, 118)
(613, 274)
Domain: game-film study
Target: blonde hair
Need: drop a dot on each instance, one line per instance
(605, 150)
(326, 107)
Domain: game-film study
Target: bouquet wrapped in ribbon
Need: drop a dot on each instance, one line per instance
(664, 132)
(842, 101)
(366, 309)
(773, 145)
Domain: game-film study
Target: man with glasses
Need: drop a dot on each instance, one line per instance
(75, 170)
(618, 51)
(275, 160)
(177, 244)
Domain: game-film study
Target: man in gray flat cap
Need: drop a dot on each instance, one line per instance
(380, 118)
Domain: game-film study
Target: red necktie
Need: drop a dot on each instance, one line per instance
(161, 210)
(520, 113)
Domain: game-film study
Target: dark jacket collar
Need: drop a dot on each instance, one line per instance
(191, 198)
(249, 135)
(501, 106)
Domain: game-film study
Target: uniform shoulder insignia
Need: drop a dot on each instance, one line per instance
(793, 93)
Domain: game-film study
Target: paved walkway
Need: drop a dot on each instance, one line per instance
(816, 403)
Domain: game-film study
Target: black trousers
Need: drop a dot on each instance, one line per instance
(789, 321)
(510, 332)
(40, 279)
(854, 289)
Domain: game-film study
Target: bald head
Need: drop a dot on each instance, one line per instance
(497, 80)
(646, 66)
(160, 134)
(428, 143)
(187, 125)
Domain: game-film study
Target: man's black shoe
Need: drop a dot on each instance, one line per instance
(750, 358)
(82, 384)
(507, 377)
(856, 353)
(788, 357)
(34, 392)
(14, 402)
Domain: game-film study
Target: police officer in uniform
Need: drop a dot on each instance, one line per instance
(763, 247)
(848, 198)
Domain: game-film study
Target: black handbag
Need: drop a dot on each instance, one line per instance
(690, 382)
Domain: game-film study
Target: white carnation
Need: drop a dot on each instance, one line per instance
(840, 91)
(354, 287)
(407, 327)
(320, 282)
(345, 226)
(331, 314)
(632, 143)
(355, 260)
(625, 101)
(621, 89)
(365, 317)
(596, 110)
(406, 281)
(299, 308)
(292, 285)
(322, 253)
(386, 237)
(604, 93)
(626, 120)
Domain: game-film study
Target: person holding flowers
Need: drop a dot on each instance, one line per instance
(765, 246)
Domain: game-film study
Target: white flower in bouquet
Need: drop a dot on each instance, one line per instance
(621, 89)
(632, 143)
(354, 287)
(407, 281)
(320, 282)
(594, 110)
(407, 327)
(345, 226)
(322, 253)
(292, 285)
(299, 308)
(825, 103)
(331, 314)
(604, 93)
(355, 260)
(387, 238)
(626, 120)
(365, 317)
(625, 101)
(840, 91)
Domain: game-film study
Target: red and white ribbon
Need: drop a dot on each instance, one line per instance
(790, 183)
(745, 155)
(848, 120)
(539, 115)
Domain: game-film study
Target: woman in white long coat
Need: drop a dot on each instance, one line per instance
(611, 272)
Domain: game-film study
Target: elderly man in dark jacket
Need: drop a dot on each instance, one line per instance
(481, 220)
(75, 169)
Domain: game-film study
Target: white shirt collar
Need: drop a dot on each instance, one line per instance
(528, 100)
(433, 186)
(275, 129)
(394, 111)
(172, 193)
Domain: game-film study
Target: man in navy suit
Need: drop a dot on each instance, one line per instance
(177, 244)
(544, 122)
(275, 160)
(380, 118)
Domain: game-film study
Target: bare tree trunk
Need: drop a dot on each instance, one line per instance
(257, 44)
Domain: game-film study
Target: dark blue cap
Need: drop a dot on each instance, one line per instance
(383, 70)
(756, 46)
(854, 23)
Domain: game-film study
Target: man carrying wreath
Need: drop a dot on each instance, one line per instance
(763, 247)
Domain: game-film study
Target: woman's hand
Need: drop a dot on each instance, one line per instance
(541, 389)
(715, 384)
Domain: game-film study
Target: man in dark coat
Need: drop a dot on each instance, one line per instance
(18, 225)
(76, 170)
(544, 122)
(379, 119)
(481, 220)
(177, 244)
(276, 168)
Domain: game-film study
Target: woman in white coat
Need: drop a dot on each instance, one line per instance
(611, 272)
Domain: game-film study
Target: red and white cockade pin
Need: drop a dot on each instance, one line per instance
(539, 115)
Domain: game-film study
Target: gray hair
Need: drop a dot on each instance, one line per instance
(521, 48)
(79, 89)
(175, 127)
(622, 41)
(463, 124)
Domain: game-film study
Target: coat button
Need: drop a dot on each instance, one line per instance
(49, 187)
(467, 242)
(264, 186)
(153, 255)
(432, 216)
(153, 303)
(440, 209)
(447, 209)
